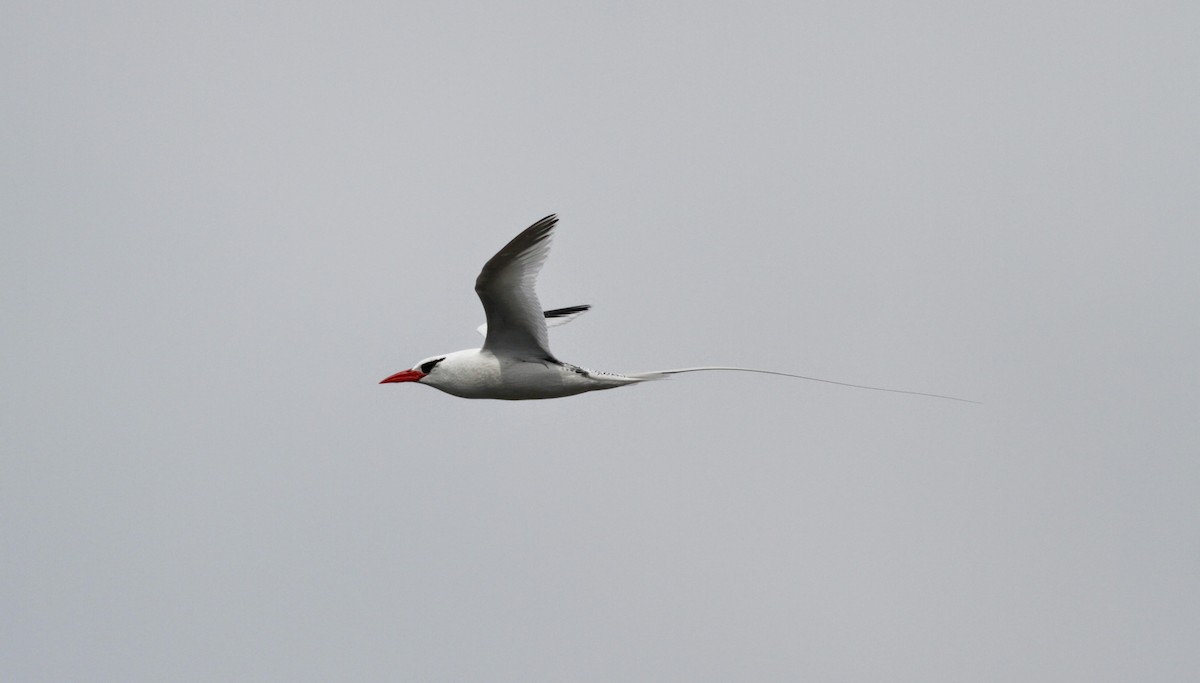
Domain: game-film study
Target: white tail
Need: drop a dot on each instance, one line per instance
(663, 374)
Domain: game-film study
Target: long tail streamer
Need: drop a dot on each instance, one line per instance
(663, 373)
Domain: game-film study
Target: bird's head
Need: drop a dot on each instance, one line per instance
(417, 372)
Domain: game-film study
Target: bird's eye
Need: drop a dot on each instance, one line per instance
(428, 366)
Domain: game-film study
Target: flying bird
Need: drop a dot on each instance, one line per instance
(515, 362)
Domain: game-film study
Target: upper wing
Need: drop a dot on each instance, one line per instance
(515, 326)
(559, 316)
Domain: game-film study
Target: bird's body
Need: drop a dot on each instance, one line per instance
(515, 362)
(478, 373)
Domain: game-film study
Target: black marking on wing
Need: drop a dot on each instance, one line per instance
(562, 312)
(578, 370)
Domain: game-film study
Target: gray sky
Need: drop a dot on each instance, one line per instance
(224, 224)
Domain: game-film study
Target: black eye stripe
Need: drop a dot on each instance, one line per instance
(428, 366)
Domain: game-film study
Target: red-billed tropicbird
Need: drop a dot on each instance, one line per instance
(515, 362)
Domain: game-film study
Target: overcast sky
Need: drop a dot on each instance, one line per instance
(224, 223)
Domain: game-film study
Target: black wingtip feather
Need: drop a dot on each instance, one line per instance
(561, 312)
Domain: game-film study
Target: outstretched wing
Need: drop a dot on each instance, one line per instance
(516, 327)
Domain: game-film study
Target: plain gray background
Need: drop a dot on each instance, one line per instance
(224, 223)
